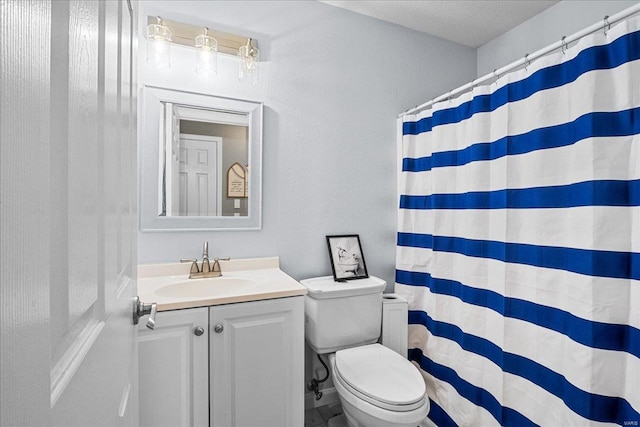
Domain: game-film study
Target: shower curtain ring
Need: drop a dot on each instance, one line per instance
(564, 45)
(607, 25)
(526, 61)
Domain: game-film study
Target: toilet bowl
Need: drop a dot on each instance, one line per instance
(377, 386)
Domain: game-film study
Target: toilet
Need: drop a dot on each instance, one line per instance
(377, 386)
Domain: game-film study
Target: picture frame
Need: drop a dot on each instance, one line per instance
(236, 182)
(347, 258)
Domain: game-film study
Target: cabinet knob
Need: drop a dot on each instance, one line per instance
(218, 328)
(198, 331)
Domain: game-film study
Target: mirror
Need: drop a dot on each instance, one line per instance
(199, 145)
(200, 162)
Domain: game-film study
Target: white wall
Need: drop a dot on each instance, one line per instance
(544, 29)
(333, 83)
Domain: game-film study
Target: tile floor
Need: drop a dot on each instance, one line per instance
(318, 417)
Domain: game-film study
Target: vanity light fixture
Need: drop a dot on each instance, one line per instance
(159, 49)
(206, 54)
(249, 66)
(161, 33)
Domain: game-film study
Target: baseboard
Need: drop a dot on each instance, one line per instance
(329, 396)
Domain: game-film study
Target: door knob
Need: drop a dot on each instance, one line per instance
(141, 309)
(198, 331)
(218, 328)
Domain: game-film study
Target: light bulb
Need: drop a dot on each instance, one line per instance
(206, 54)
(249, 64)
(159, 45)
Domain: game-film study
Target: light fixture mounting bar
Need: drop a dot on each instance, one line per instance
(185, 34)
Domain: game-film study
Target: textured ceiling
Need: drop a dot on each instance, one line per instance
(468, 22)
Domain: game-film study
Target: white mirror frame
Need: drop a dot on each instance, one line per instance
(150, 161)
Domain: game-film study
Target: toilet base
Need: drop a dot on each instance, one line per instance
(365, 419)
(341, 421)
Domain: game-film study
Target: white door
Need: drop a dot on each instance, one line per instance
(68, 206)
(172, 160)
(200, 183)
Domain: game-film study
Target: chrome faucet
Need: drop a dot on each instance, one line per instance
(206, 270)
(206, 266)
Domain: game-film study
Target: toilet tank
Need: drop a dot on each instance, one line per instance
(342, 314)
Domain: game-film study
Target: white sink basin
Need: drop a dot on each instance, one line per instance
(202, 288)
(243, 280)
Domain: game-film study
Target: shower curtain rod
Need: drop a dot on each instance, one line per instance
(607, 22)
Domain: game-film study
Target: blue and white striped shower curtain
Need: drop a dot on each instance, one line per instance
(519, 242)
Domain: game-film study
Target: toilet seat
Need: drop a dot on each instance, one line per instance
(381, 377)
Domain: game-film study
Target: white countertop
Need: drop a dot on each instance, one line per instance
(263, 275)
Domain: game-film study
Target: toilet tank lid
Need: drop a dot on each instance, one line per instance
(325, 287)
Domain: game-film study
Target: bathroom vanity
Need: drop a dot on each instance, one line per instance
(227, 351)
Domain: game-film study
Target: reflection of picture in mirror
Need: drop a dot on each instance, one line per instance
(246, 181)
(236, 181)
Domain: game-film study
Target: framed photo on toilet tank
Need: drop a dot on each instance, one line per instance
(347, 259)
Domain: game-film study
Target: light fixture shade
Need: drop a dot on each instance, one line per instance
(206, 55)
(249, 64)
(158, 45)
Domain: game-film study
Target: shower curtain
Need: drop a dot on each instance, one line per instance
(518, 242)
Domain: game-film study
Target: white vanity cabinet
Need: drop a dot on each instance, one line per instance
(174, 369)
(257, 363)
(246, 369)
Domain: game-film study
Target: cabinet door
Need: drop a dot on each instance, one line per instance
(257, 364)
(173, 369)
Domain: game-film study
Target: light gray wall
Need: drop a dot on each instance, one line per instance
(333, 83)
(544, 29)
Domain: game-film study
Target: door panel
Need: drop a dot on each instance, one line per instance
(74, 294)
(68, 240)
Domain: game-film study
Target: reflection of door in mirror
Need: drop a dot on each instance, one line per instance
(171, 161)
(199, 186)
(196, 158)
